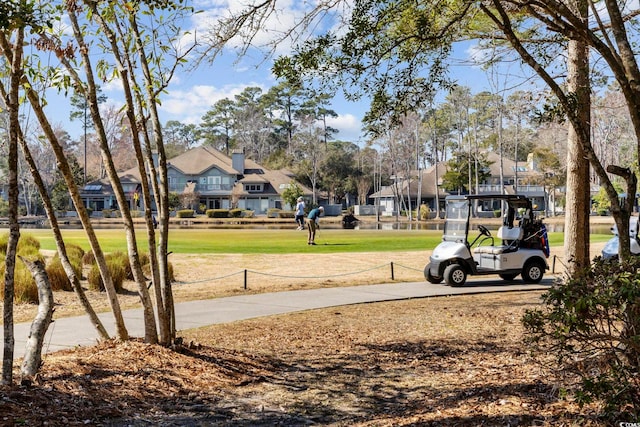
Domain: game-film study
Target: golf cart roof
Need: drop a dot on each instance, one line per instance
(515, 200)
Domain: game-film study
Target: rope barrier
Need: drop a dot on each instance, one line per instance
(244, 272)
(317, 277)
(213, 279)
(408, 268)
(393, 265)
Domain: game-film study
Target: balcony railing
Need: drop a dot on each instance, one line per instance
(495, 188)
(202, 188)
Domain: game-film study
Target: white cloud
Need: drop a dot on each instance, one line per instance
(188, 106)
(348, 125)
(274, 34)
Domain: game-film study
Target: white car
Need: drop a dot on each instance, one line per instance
(612, 247)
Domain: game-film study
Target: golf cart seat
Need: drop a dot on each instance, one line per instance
(510, 237)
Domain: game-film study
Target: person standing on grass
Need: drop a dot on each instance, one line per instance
(300, 213)
(313, 223)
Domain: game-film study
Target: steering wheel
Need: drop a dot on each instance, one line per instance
(483, 230)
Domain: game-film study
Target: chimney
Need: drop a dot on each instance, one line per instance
(532, 162)
(237, 160)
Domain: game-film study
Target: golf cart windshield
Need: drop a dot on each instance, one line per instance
(455, 227)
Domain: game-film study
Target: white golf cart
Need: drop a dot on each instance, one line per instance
(518, 249)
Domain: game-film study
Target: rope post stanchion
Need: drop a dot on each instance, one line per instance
(392, 275)
(553, 265)
(245, 279)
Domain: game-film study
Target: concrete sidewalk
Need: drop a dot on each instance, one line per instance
(77, 331)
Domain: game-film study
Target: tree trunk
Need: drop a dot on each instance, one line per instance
(160, 186)
(64, 168)
(621, 214)
(57, 235)
(576, 230)
(13, 103)
(150, 334)
(33, 350)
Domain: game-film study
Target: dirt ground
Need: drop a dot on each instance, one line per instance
(457, 361)
(452, 361)
(213, 276)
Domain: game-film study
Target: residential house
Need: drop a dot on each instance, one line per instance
(517, 179)
(424, 185)
(218, 181)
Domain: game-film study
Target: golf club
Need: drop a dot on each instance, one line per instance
(318, 236)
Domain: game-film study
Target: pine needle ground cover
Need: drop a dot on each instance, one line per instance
(457, 361)
(439, 361)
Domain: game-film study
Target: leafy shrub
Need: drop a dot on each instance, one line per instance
(146, 269)
(185, 213)
(273, 212)
(248, 214)
(144, 258)
(4, 207)
(25, 289)
(94, 279)
(88, 258)
(57, 276)
(286, 214)
(425, 212)
(235, 213)
(116, 269)
(55, 270)
(120, 269)
(217, 213)
(106, 213)
(75, 254)
(123, 259)
(591, 322)
(26, 244)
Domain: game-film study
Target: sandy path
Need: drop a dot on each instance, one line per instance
(218, 275)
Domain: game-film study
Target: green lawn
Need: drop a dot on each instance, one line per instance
(273, 241)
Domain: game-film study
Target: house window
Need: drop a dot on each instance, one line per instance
(213, 182)
(253, 187)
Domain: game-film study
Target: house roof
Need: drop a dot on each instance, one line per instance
(426, 187)
(429, 177)
(508, 166)
(277, 181)
(200, 159)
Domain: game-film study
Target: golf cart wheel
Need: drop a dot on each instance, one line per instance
(509, 276)
(430, 278)
(533, 271)
(455, 275)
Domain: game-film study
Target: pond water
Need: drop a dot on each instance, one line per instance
(372, 225)
(598, 228)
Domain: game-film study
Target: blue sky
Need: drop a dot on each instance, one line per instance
(192, 93)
